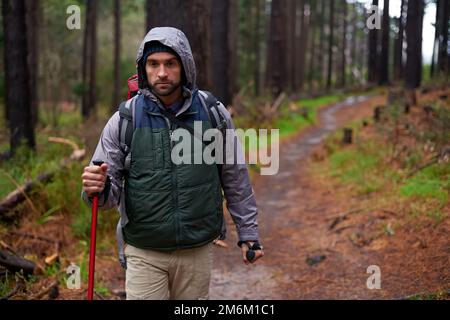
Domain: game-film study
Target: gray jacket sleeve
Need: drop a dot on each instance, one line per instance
(239, 195)
(109, 150)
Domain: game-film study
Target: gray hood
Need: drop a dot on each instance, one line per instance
(177, 40)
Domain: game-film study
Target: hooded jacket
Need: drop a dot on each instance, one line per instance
(235, 180)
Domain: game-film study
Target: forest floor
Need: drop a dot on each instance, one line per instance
(319, 235)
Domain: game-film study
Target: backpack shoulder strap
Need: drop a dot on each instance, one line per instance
(216, 117)
(126, 122)
(126, 125)
(212, 105)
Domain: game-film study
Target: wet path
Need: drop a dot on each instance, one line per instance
(288, 229)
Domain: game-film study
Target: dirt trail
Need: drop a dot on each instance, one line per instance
(294, 217)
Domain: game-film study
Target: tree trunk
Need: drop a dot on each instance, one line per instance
(93, 57)
(344, 44)
(436, 39)
(32, 20)
(304, 36)
(257, 46)
(373, 52)
(117, 37)
(384, 56)
(17, 74)
(149, 14)
(398, 53)
(292, 46)
(312, 51)
(443, 56)
(322, 42)
(223, 49)
(184, 16)
(89, 60)
(414, 22)
(276, 62)
(363, 59)
(353, 55)
(330, 45)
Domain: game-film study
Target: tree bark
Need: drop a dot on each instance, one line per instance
(276, 62)
(413, 68)
(32, 23)
(373, 52)
(330, 45)
(293, 67)
(223, 49)
(257, 46)
(384, 56)
(17, 74)
(184, 15)
(443, 56)
(344, 44)
(89, 99)
(322, 42)
(353, 55)
(398, 53)
(303, 49)
(117, 39)
(312, 51)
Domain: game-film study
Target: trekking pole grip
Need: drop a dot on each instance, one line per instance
(98, 162)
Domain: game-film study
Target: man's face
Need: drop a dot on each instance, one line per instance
(163, 73)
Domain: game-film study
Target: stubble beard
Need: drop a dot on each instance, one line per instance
(172, 87)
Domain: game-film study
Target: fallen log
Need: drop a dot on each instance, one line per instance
(18, 195)
(16, 263)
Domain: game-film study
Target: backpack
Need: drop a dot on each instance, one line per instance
(133, 86)
(126, 129)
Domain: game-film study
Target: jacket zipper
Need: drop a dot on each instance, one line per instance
(174, 178)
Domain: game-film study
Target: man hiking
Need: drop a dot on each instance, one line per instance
(170, 213)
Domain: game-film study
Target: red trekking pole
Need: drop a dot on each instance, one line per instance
(93, 241)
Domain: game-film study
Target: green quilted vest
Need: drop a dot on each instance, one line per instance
(169, 206)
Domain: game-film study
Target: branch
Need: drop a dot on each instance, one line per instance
(44, 291)
(16, 263)
(18, 195)
(57, 243)
(444, 152)
(19, 188)
(13, 292)
(77, 153)
(278, 101)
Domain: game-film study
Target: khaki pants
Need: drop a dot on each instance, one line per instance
(181, 274)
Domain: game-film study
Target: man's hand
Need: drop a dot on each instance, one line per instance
(245, 247)
(94, 178)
